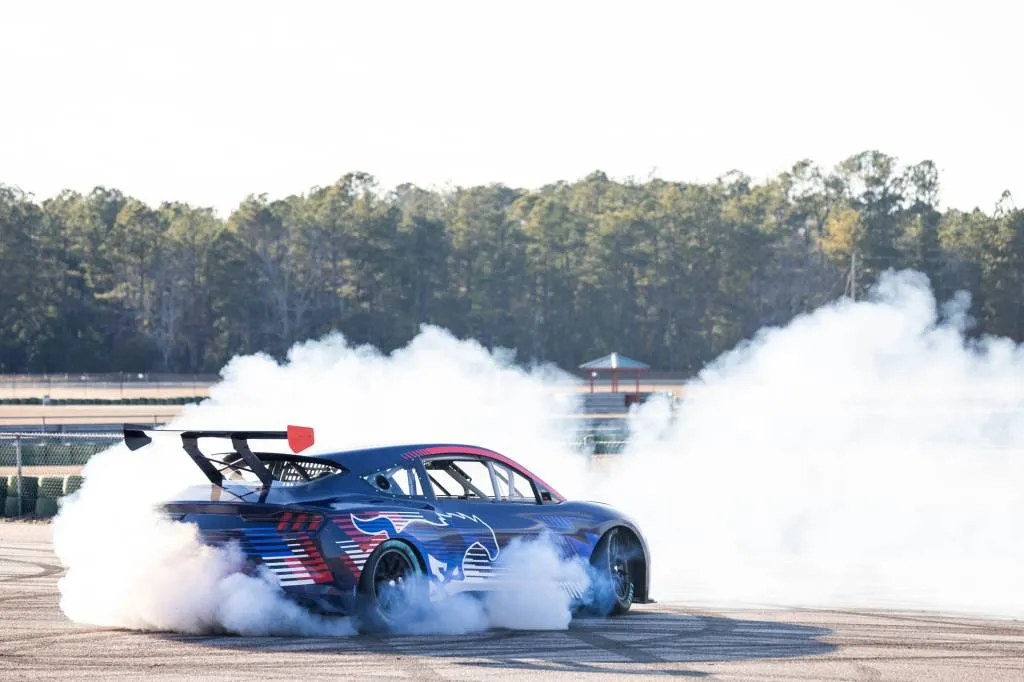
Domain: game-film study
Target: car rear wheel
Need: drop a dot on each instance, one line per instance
(389, 587)
(614, 561)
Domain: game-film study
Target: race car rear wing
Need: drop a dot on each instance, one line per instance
(299, 438)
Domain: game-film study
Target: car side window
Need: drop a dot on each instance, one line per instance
(457, 478)
(512, 485)
(402, 481)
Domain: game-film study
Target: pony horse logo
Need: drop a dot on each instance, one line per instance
(436, 531)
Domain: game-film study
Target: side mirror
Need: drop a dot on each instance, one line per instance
(382, 482)
(545, 496)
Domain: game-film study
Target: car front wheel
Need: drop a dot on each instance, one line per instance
(613, 561)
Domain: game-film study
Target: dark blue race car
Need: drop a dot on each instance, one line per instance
(343, 532)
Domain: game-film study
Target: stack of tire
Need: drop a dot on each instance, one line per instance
(21, 502)
(38, 496)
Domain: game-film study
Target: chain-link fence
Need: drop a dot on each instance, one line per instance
(37, 469)
(596, 444)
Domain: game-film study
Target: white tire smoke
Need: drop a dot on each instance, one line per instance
(866, 455)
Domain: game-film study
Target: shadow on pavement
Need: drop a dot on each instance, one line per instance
(656, 642)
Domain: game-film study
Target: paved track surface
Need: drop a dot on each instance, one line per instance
(38, 642)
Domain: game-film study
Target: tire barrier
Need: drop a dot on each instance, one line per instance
(41, 495)
(50, 466)
(51, 489)
(21, 502)
(72, 483)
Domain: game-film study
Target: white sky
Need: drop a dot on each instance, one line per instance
(206, 102)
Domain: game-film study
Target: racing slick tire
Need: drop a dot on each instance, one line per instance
(614, 561)
(390, 588)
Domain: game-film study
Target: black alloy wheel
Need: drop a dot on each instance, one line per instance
(618, 569)
(390, 574)
(390, 589)
(615, 559)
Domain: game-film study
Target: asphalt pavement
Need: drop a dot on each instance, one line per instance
(37, 642)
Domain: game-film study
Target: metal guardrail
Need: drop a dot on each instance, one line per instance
(78, 423)
(105, 386)
(115, 378)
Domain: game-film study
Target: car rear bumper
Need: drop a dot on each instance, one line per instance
(287, 547)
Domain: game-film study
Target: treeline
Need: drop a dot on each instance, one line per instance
(670, 273)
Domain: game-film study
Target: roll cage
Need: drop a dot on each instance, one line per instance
(282, 467)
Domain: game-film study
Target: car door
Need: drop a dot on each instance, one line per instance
(472, 497)
(540, 512)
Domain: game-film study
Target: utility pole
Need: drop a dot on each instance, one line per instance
(851, 281)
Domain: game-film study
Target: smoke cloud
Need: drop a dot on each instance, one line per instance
(867, 454)
(535, 600)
